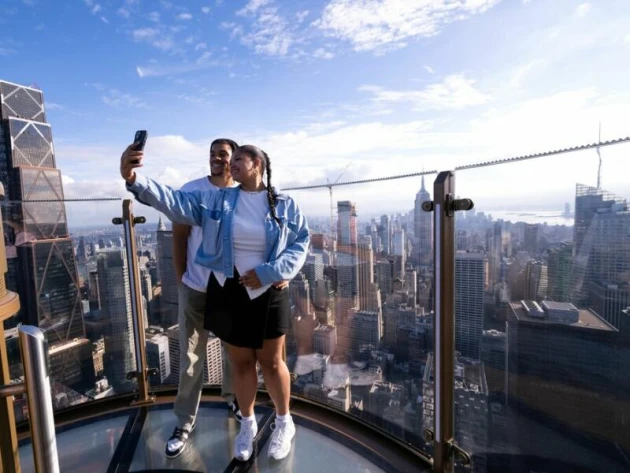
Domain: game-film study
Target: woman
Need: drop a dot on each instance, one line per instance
(252, 238)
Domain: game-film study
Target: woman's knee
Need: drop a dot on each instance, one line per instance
(270, 362)
(242, 360)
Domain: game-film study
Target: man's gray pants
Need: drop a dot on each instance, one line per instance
(193, 340)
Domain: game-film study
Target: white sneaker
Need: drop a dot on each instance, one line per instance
(280, 444)
(244, 442)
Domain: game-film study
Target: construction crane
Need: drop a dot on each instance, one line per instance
(330, 191)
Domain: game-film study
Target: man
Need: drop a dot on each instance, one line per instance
(193, 338)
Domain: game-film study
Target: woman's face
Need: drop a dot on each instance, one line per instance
(244, 168)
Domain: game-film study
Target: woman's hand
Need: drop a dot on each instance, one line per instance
(250, 280)
(280, 285)
(130, 160)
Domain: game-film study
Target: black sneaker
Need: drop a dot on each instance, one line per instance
(235, 410)
(176, 444)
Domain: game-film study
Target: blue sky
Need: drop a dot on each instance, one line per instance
(390, 86)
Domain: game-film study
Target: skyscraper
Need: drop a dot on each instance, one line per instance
(399, 246)
(347, 269)
(385, 277)
(366, 330)
(531, 238)
(367, 293)
(601, 269)
(43, 269)
(385, 232)
(423, 228)
(82, 253)
(536, 280)
(346, 223)
(158, 355)
(113, 285)
(469, 288)
(554, 349)
(166, 273)
(559, 265)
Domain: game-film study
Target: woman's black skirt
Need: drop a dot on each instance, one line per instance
(237, 320)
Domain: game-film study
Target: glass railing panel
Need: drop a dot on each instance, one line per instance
(542, 277)
(64, 259)
(362, 326)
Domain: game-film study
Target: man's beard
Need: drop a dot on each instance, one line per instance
(218, 173)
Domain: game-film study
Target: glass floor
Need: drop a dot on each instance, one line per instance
(134, 441)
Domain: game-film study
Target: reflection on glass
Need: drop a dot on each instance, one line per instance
(362, 326)
(542, 336)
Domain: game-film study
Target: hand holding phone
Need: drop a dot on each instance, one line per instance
(140, 139)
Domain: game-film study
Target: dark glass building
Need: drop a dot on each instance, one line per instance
(42, 268)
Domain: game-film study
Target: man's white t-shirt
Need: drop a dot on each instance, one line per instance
(196, 276)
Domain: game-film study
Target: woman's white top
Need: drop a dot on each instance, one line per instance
(249, 236)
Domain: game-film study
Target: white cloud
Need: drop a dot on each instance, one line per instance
(385, 24)
(301, 16)
(144, 33)
(269, 34)
(105, 20)
(205, 10)
(627, 38)
(429, 69)
(251, 7)
(117, 99)
(97, 8)
(454, 92)
(124, 12)
(199, 46)
(65, 179)
(321, 53)
(158, 70)
(155, 38)
(7, 51)
(204, 57)
(154, 16)
(583, 9)
(54, 106)
(184, 16)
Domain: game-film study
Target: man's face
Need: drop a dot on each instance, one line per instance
(220, 155)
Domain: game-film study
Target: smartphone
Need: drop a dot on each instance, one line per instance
(140, 139)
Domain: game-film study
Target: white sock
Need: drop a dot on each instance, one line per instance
(251, 418)
(284, 418)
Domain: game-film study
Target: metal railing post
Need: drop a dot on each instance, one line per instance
(444, 207)
(142, 373)
(34, 351)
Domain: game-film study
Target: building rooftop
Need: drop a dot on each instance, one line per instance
(587, 319)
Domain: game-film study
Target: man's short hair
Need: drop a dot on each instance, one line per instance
(225, 141)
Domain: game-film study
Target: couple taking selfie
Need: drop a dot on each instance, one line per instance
(237, 243)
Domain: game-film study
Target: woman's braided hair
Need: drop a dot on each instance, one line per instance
(255, 152)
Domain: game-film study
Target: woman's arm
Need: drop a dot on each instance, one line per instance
(291, 260)
(180, 207)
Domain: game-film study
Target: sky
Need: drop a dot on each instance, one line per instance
(331, 89)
